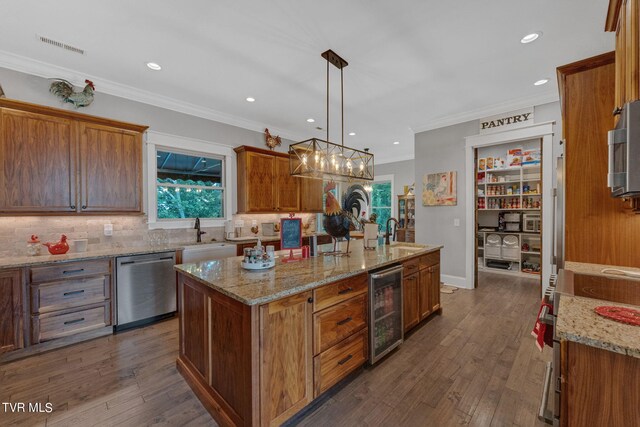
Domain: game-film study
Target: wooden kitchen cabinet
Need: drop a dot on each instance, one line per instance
(287, 187)
(623, 18)
(61, 162)
(421, 288)
(410, 299)
(265, 184)
(311, 191)
(110, 169)
(37, 163)
(286, 357)
(11, 312)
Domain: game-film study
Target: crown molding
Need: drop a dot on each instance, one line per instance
(479, 113)
(46, 70)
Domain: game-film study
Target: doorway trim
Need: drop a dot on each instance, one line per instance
(542, 131)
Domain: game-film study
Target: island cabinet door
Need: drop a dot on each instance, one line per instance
(286, 358)
(411, 315)
(434, 290)
(425, 305)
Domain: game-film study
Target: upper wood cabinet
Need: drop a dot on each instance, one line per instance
(110, 169)
(265, 184)
(11, 313)
(61, 162)
(623, 18)
(37, 163)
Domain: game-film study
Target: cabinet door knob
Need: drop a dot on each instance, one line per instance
(73, 207)
(310, 300)
(84, 206)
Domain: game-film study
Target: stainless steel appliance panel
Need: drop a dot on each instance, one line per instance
(145, 287)
(624, 153)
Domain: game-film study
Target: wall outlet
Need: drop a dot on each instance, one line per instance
(108, 229)
(456, 222)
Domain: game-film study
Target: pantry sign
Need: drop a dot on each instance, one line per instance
(507, 121)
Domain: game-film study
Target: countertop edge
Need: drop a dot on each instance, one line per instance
(305, 287)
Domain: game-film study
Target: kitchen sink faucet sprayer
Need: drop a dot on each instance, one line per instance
(199, 233)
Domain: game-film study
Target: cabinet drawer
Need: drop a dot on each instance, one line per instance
(336, 363)
(69, 293)
(429, 259)
(332, 325)
(61, 324)
(328, 295)
(411, 266)
(53, 272)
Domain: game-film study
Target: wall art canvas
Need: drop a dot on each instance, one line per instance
(439, 189)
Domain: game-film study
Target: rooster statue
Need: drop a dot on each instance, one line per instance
(58, 248)
(340, 220)
(272, 142)
(64, 90)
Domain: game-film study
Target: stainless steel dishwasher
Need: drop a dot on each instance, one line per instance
(145, 289)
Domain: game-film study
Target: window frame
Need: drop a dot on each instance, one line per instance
(394, 205)
(176, 144)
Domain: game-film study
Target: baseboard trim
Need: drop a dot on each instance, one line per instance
(457, 281)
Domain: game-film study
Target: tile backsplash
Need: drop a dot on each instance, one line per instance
(128, 231)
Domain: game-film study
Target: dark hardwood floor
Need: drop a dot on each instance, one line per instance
(476, 364)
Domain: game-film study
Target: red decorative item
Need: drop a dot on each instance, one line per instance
(620, 314)
(59, 248)
(34, 239)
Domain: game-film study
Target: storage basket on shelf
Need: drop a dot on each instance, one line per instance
(492, 246)
(511, 247)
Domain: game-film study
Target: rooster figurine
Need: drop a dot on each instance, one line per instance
(64, 90)
(59, 248)
(272, 142)
(340, 220)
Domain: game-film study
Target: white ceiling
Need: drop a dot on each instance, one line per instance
(413, 64)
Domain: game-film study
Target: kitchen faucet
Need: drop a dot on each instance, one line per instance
(199, 233)
(387, 242)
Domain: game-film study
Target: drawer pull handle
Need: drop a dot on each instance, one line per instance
(345, 360)
(66, 294)
(345, 291)
(343, 321)
(80, 270)
(71, 322)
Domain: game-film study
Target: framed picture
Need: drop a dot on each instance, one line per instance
(439, 189)
(290, 233)
(489, 163)
(482, 164)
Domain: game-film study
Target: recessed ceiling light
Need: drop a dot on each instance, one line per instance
(352, 134)
(310, 120)
(541, 82)
(154, 66)
(250, 99)
(530, 37)
(396, 142)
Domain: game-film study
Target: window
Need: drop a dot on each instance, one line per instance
(189, 186)
(187, 178)
(382, 199)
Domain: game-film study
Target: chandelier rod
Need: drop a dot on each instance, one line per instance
(327, 99)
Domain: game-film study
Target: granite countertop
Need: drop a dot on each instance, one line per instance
(259, 287)
(578, 322)
(45, 258)
(596, 269)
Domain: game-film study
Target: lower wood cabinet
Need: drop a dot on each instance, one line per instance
(59, 324)
(421, 289)
(286, 357)
(335, 364)
(11, 312)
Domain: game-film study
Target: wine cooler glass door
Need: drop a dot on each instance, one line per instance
(385, 329)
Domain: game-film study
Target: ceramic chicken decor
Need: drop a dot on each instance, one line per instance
(271, 141)
(339, 220)
(59, 248)
(64, 90)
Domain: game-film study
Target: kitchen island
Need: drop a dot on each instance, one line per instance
(257, 347)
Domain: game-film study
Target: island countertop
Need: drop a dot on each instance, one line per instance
(260, 287)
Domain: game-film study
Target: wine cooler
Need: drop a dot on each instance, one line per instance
(385, 328)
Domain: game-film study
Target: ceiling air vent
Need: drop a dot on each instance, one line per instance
(61, 45)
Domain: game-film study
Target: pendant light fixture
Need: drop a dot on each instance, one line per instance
(322, 159)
